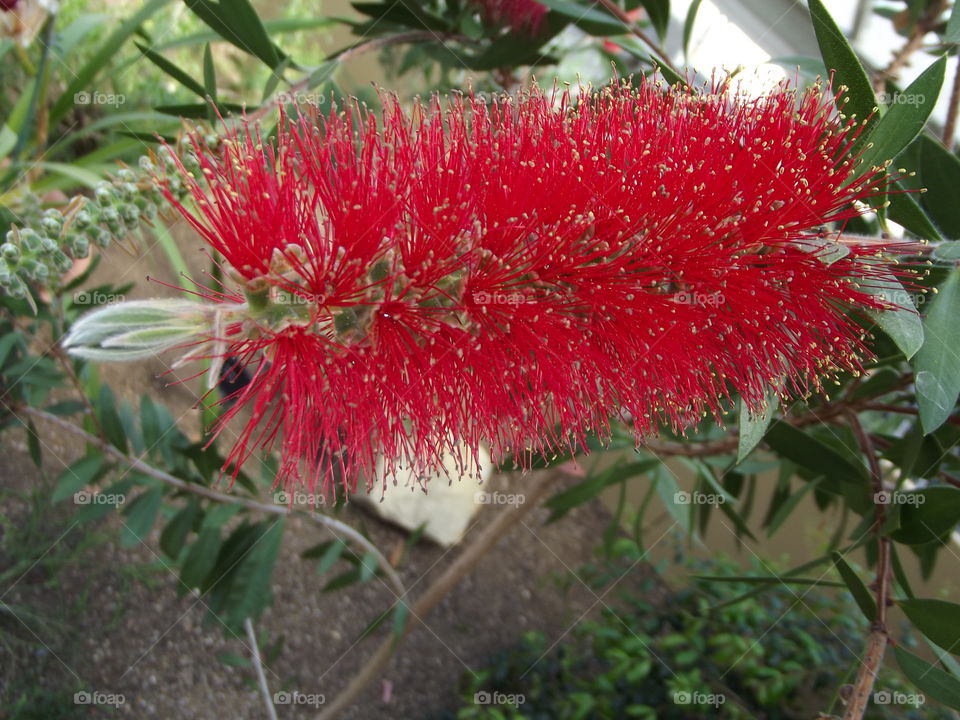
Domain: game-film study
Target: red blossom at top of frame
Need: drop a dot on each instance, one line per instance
(520, 15)
(516, 274)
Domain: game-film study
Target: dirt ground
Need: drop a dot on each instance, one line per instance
(109, 619)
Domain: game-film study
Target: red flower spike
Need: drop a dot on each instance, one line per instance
(519, 15)
(517, 274)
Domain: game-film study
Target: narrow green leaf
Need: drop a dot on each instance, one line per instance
(659, 13)
(905, 210)
(906, 117)
(808, 452)
(249, 582)
(930, 679)
(840, 57)
(33, 444)
(927, 515)
(947, 252)
(584, 491)
(76, 477)
(937, 364)
(770, 580)
(176, 530)
(140, 517)
(939, 173)
(864, 599)
(596, 21)
(331, 556)
(200, 559)
(688, 25)
(937, 619)
(903, 324)
(171, 69)
(110, 420)
(238, 24)
(952, 33)
(368, 566)
(105, 53)
(753, 428)
(787, 508)
(209, 73)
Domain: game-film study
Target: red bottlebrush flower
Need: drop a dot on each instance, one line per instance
(520, 15)
(517, 274)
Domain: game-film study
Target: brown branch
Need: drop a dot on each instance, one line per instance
(136, 463)
(623, 17)
(927, 22)
(950, 127)
(877, 641)
(465, 562)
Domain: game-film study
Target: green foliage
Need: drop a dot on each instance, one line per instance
(683, 654)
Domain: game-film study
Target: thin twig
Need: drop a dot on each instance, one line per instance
(350, 52)
(258, 666)
(877, 641)
(621, 15)
(465, 562)
(136, 463)
(927, 22)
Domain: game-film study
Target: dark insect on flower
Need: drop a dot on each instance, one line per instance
(517, 274)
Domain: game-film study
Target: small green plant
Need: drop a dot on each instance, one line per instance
(689, 654)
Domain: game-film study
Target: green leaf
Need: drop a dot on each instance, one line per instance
(952, 33)
(76, 477)
(589, 18)
(930, 679)
(688, 25)
(140, 516)
(209, 73)
(865, 601)
(786, 509)
(948, 252)
(368, 566)
(172, 70)
(937, 619)
(927, 515)
(753, 428)
(903, 324)
(808, 452)
(840, 57)
(907, 116)
(939, 171)
(248, 585)
(331, 556)
(105, 53)
(584, 491)
(110, 420)
(659, 13)
(200, 559)
(175, 533)
(937, 364)
(905, 210)
(237, 22)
